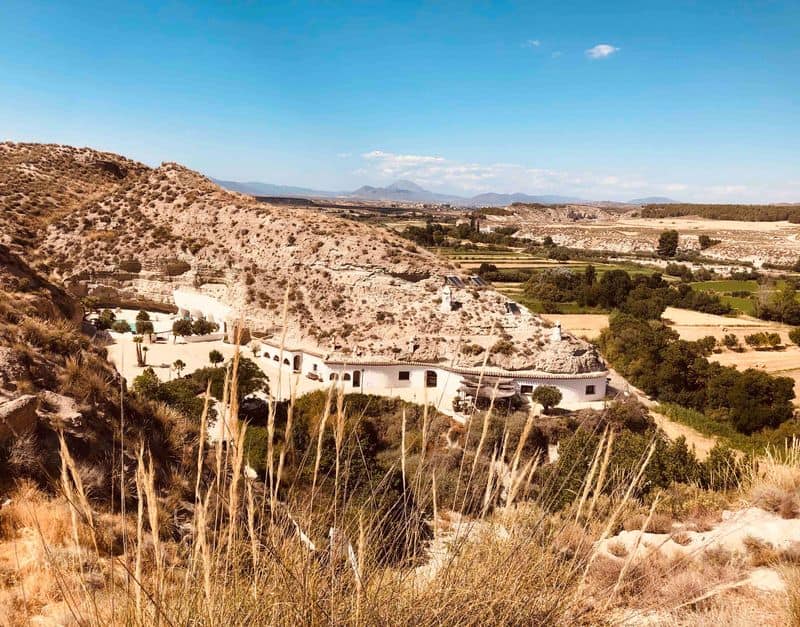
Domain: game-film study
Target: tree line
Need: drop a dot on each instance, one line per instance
(642, 296)
(747, 213)
(654, 358)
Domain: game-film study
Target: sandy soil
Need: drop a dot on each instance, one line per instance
(161, 356)
(702, 444)
(582, 325)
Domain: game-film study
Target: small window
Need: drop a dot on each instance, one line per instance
(346, 376)
(314, 367)
(526, 389)
(404, 375)
(286, 362)
(431, 378)
(334, 376)
(356, 378)
(275, 358)
(589, 390)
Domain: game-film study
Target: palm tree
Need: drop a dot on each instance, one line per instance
(178, 365)
(137, 340)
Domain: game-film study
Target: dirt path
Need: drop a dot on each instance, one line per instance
(702, 443)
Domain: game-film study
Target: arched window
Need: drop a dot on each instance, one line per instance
(431, 378)
(286, 361)
(275, 358)
(296, 362)
(334, 376)
(346, 376)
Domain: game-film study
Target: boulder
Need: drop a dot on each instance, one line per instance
(18, 416)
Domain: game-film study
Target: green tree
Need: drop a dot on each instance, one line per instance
(204, 327)
(614, 287)
(144, 327)
(181, 328)
(142, 315)
(547, 396)
(251, 379)
(178, 366)
(105, 320)
(215, 357)
(794, 335)
(147, 384)
(589, 275)
(121, 326)
(668, 243)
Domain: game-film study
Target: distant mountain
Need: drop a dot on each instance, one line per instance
(404, 191)
(268, 189)
(654, 200)
(399, 191)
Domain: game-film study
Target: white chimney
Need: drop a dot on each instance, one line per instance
(555, 336)
(447, 300)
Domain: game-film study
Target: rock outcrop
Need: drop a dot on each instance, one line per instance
(350, 288)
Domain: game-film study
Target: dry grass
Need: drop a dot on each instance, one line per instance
(260, 553)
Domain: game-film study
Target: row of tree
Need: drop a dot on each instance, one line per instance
(655, 359)
(748, 213)
(644, 296)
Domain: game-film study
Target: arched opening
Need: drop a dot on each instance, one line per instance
(431, 378)
(297, 361)
(286, 361)
(276, 358)
(356, 378)
(346, 376)
(334, 376)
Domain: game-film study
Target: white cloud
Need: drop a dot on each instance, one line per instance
(344, 155)
(533, 43)
(601, 51)
(727, 190)
(437, 172)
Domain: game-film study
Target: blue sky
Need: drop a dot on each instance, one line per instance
(694, 100)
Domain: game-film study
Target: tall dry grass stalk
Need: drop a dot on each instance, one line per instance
(263, 552)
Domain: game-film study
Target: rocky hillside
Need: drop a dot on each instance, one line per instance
(352, 288)
(40, 183)
(54, 379)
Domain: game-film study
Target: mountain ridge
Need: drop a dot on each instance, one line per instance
(402, 190)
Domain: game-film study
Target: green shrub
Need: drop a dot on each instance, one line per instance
(547, 396)
(121, 326)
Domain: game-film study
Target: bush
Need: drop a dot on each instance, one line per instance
(547, 396)
(121, 326)
(203, 327)
(668, 243)
(130, 265)
(182, 327)
(794, 335)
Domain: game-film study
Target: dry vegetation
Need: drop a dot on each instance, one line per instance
(259, 551)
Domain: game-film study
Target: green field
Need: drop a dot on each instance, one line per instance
(725, 290)
(726, 286)
(535, 305)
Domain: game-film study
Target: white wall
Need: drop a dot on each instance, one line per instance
(190, 301)
(384, 380)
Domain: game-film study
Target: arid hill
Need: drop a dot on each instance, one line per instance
(40, 183)
(352, 288)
